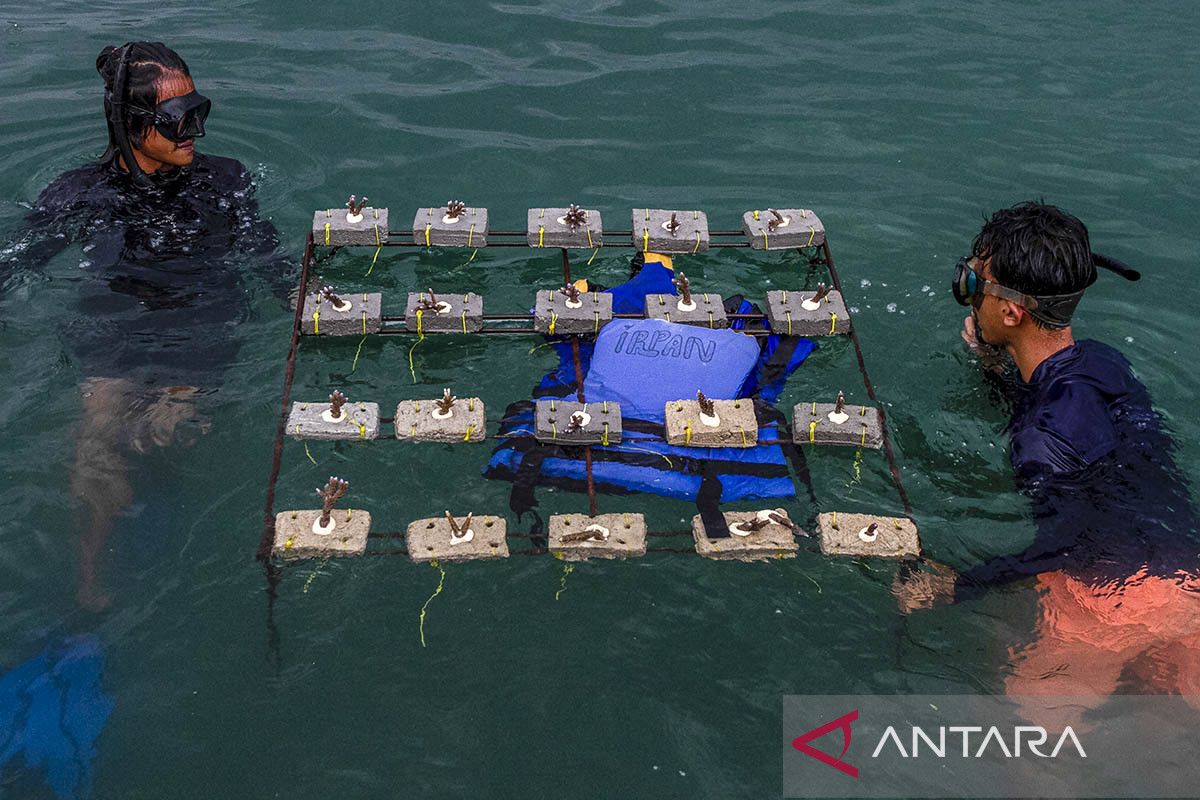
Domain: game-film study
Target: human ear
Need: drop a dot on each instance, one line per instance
(1013, 314)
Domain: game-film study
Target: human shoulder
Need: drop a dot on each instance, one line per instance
(73, 190)
(224, 172)
(1067, 422)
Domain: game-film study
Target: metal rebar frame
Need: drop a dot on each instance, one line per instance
(395, 326)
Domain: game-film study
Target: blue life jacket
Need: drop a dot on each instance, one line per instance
(643, 364)
(52, 709)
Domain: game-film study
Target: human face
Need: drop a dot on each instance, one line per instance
(157, 152)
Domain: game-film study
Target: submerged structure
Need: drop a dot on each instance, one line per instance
(574, 440)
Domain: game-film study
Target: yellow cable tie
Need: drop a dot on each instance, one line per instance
(756, 216)
(470, 430)
(812, 232)
(420, 323)
(863, 443)
(766, 242)
(645, 240)
(542, 214)
(696, 249)
(427, 226)
(834, 520)
(743, 430)
(647, 214)
(695, 215)
(327, 234)
(552, 407)
(464, 321)
(687, 434)
(317, 321)
(553, 432)
(413, 432)
(812, 432)
(789, 319)
(832, 323)
(541, 235)
(364, 321)
(553, 322)
(362, 430)
(604, 405)
(471, 236)
(604, 437)
(710, 319)
(470, 404)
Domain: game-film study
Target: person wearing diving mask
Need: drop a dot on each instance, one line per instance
(1116, 556)
(167, 239)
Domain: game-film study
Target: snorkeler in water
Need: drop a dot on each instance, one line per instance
(169, 235)
(1116, 556)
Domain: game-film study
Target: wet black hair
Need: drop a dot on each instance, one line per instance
(1037, 249)
(148, 63)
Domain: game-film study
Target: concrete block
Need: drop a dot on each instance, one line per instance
(415, 421)
(788, 316)
(709, 311)
(460, 313)
(311, 421)
(773, 541)
(343, 232)
(578, 537)
(800, 228)
(431, 539)
(650, 232)
(602, 424)
(294, 537)
(895, 537)
(364, 314)
(432, 227)
(545, 227)
(736, 424)
(551, 310)
(811, 425)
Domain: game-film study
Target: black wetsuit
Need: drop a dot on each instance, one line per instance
(1090, 452)
(163, 267)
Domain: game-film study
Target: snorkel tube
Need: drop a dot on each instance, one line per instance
(115, 102)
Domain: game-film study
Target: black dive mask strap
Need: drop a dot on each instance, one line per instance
(117, 104)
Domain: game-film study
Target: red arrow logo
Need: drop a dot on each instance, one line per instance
(801, 743)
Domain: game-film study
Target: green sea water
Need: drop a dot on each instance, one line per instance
(900, 123)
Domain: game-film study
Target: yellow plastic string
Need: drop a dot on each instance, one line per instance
(857, 468)
(420, 338)
(553, 432)
(436, 592)
(358, 352)
(789, 319)
(541, 235)
(812, 432)
(306, 450)
(695, 215)
(687, 433)
(327, 234)
(553, 322)
(474, 253)
(756, 216)
(589, 235)
(710, 319)
(593, 257)
(832, 323)
(596, 328)
(471, 236)
(696, 249)
(317, 321)
(834, 520)
(863, 442)
(562, 582)
(289, 543)
(313, 574)
(628, 448)
(812, 232)
(645, 240)
(647, 214)
(362, 430)
(413, 432)
(470, 430)
(427, 226)
(378, 248)
(743, 430)
(604, 436)
(464, 321)
(766, 242)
